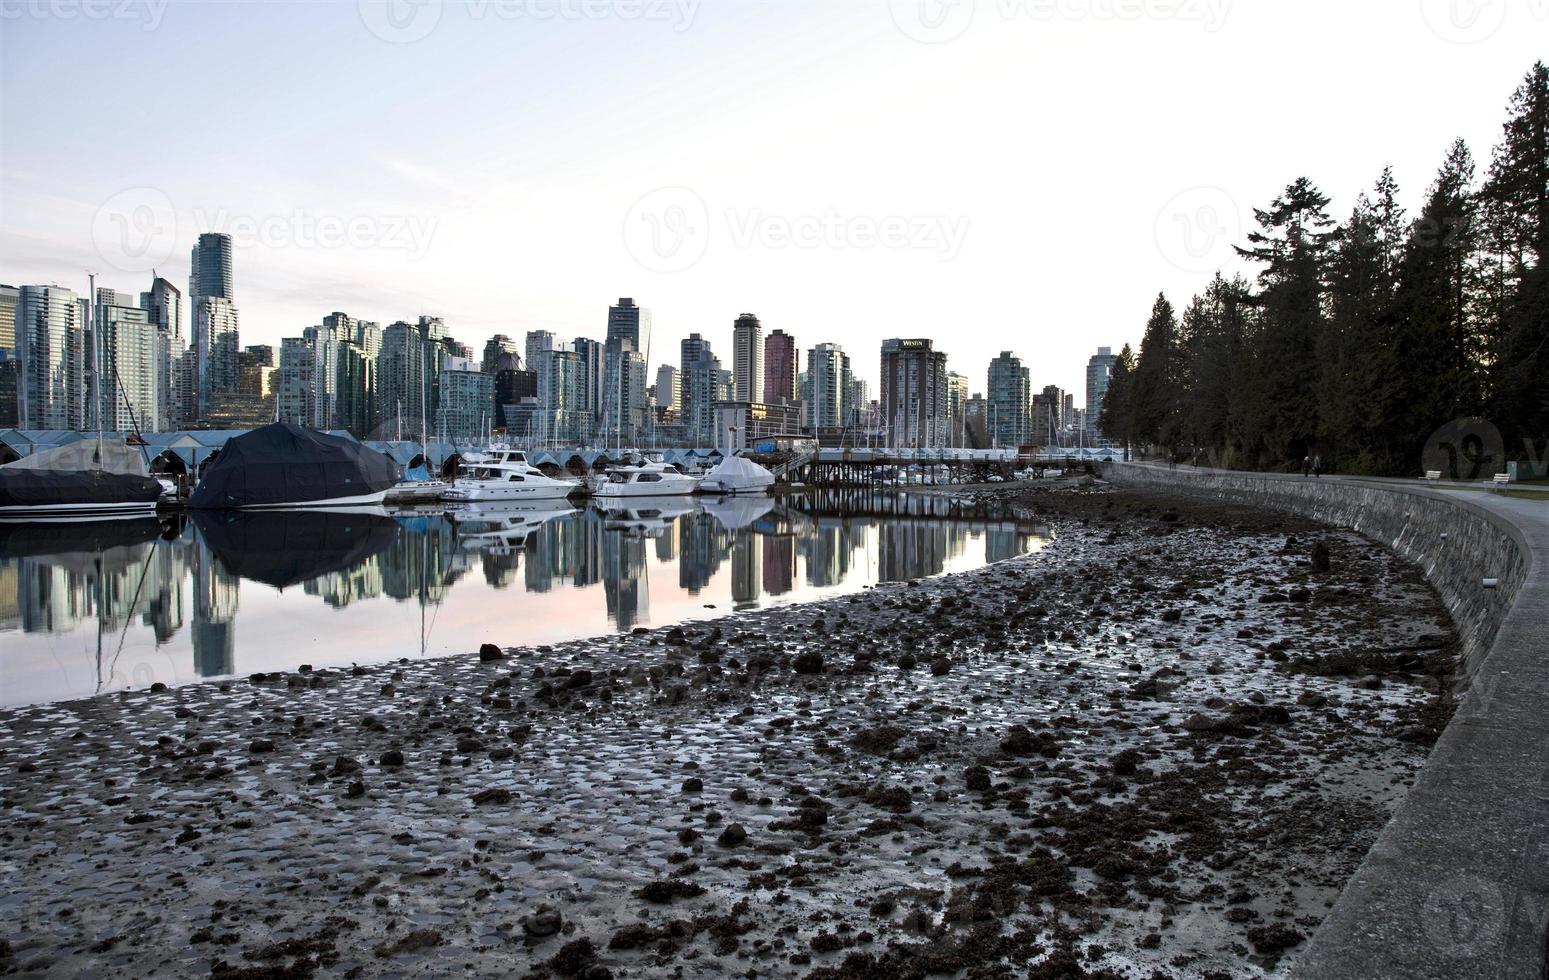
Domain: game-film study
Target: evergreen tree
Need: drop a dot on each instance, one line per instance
(1157, 378)
(1117, 419)
(1292, 241)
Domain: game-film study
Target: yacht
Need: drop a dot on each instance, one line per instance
(505, 475)
(93, 479)
(644, 478)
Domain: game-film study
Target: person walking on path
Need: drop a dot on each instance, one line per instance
(1317, 465)
(1306, 466)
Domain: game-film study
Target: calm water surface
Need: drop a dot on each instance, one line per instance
(90, 608)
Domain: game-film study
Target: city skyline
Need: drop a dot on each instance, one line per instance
(521, 221)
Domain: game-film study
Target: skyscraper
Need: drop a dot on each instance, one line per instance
(589, 381)
(9, 297)
(957, 408)
(210, 268)
(1009, 392)
(1048, 415)
(626, 321)
(747, 343)
(914, 393)
(701, 389)
(164, 303)
(829, 386)
(781, 365)
(668, 390)
(493, 348)
(51, 349)
(124, 360)
(1098, 369)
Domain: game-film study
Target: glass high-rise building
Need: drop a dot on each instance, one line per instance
(125, 356)
(829, 386)
(1098, 369)
(747, 359)
(51, 349)
(1009, 394)
(914, 394)
(210, 268)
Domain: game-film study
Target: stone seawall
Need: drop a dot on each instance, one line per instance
(1457, 884)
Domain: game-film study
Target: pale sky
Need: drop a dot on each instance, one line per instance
(993, 174)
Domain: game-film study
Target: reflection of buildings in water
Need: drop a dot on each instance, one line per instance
(779, 563)
(916, 549)
(567, 549)
(215, 611)
(500, 568)
(702, 545)
(746, 567)
(667, 546)
(827, 550)
(624, 579)
(1001, 543)
(339, 589)
(424, 561)
(51, 598)
(163, 606)
(10, 594)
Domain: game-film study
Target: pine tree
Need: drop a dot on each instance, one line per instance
(1117, 419)
(1157, 378)
(1292, 241)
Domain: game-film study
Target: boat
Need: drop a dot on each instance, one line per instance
(505, 475)
(501, 528)
(417, 487)
(737, 474)
(91, 479)
(640, 477)
(286, 466)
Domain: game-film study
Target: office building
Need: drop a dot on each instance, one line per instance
(747, 359)
(957, 407)
(51, 355)
(1009, 393)
(668, 390)
(829, 387)
(1098, 369)
(493, 348)
(914, 394)
(782, 363)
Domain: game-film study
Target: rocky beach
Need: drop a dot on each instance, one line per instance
(1157, 747)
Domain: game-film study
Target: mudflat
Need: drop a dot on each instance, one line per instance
(1157, 747)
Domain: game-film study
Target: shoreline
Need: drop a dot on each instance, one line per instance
(1110, 755)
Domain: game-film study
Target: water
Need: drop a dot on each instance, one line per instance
(91, 608)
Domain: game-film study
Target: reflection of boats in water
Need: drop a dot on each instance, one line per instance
(647, 514)
(737, 512)
(79, 538)
(500, 528)
(284, 548)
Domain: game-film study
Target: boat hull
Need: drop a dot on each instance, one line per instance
(364, 499)
(498, 492)
(665, 489)
(85, 511)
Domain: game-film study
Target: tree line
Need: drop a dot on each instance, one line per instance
(1356, 341)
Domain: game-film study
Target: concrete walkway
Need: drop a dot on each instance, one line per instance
(1457, 884)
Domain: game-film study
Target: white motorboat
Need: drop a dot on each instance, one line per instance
(737, 474)
(505, 475)
(644, 478)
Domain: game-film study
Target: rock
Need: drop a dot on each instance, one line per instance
(355, 790)
(392, 757)
(977, 778)
(468, 746)
(732, 836)
(260, 745)
(573, 957)
(545, 921)
(495, 796)
(1274, 938)
(1322, 557)
(664, 891)
(579, 678)
(489, 652)
(1171, 615)
(940, 667)
(693, 785)
(907, 662)
(810, 662)
(1201, 723)
(158, 687)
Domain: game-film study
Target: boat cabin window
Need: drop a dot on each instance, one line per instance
(517, 478)
(650, 478)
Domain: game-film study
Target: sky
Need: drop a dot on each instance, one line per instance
(1018, 175)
